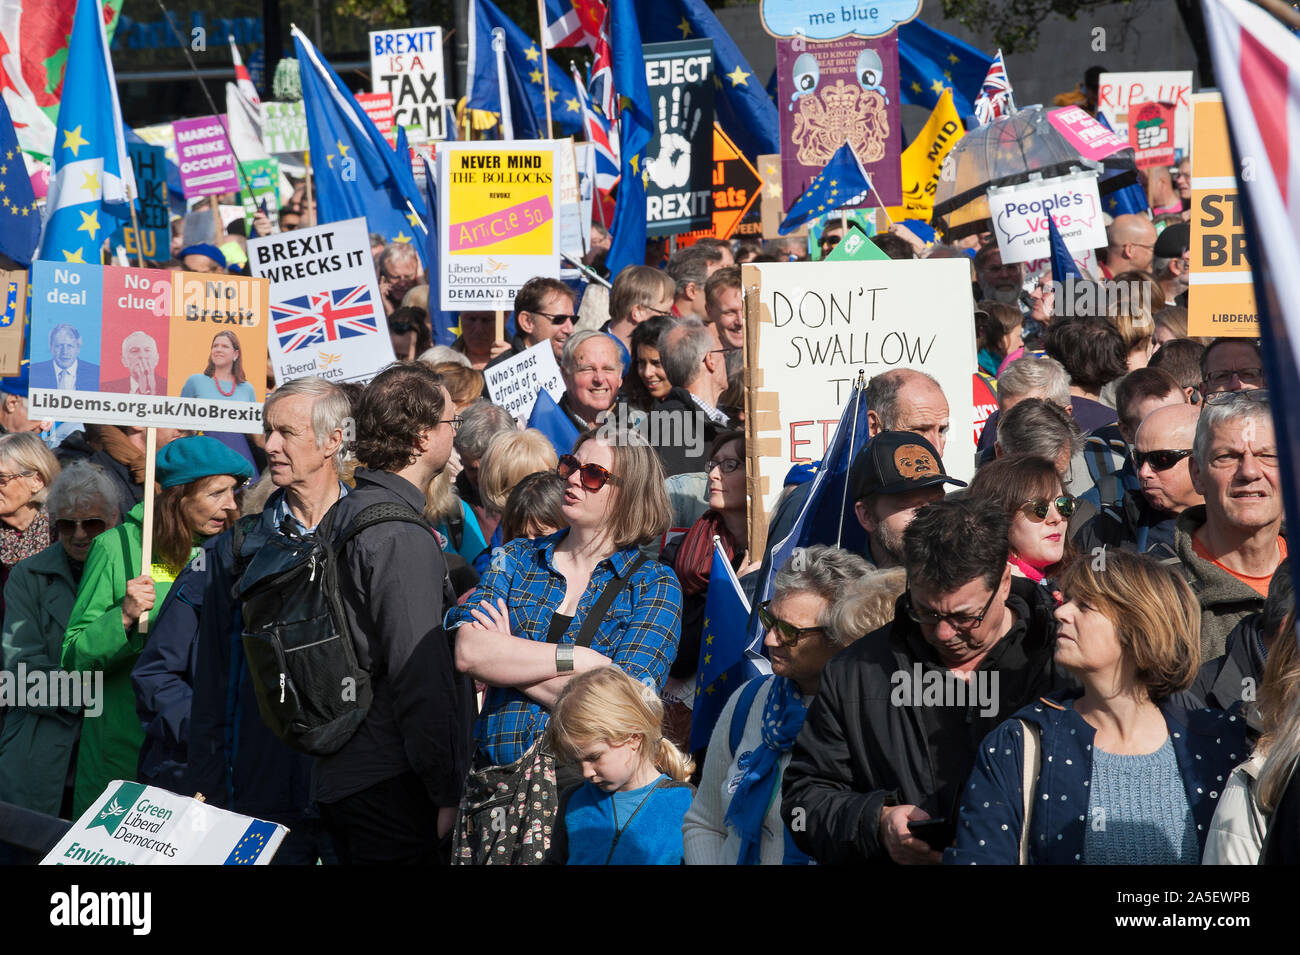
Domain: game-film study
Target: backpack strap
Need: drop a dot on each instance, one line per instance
(611, 590)
(1030, 769)
(381, 513)
(740, 715)
(238, 534)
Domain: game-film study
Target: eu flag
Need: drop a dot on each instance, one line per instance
(550, 419)
(1062, 261)
(446, 325)
(92, 174)
(842, 183)
(1122, 200)
(526, 83)
(627, 234)
(357, 172)
(742, 107)
(20, 220)
(251, 844)
(929, 60)
(724, 664)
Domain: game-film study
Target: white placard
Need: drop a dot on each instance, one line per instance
(408, 65)
(586, 153)
(284, 127)
(135, 824)
(1019, 214)
(515, 382)
(1116, 92)
(820, 323)
(326, 315)
(570, 195)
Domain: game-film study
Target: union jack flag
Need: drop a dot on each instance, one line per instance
(995, 100)
(319, 317)
(597, 129)
(576, 25)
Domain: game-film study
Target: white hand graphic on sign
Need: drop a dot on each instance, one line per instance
(671, 169)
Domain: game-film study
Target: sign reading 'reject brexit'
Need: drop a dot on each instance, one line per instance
(679, 76)
(501, 225)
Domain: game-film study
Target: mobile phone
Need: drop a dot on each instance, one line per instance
(938, 834)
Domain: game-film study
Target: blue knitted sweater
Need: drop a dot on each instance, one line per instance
(1138, 813)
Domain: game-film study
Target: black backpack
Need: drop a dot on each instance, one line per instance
(311, 690)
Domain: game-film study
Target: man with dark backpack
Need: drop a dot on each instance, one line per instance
(389, 793)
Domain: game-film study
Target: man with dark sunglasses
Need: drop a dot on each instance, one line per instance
(893, 732)
(545, 310)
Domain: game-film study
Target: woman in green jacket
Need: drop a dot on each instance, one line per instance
(37, 741)
(198, 477)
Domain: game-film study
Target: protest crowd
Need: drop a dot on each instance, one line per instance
(417, 618)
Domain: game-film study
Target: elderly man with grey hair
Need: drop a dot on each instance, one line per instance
(479, 424)
(592, 367)
(1229, 547)
(1027, 377)
(399, 272)
(234, 760)
(683, 423)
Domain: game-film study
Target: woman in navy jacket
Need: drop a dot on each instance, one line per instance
(1124, 776)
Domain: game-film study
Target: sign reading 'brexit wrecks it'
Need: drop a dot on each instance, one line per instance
(501, 225)
(148, 348)
(407, 64)
(203, 153)
(810, 327)
(678, 158)
(1019, 215)
(327, 318)
(135, 824)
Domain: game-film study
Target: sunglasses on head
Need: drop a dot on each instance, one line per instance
(786, 633)
(1038, 509)
(1161, 460)
(592, 476)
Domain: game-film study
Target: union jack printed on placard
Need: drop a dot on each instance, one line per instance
(319, 317)
(995, 100)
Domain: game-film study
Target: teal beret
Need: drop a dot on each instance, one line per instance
(188, 459)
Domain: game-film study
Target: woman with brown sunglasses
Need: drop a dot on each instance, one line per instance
(1028, 489)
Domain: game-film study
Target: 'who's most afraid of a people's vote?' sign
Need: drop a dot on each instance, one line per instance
(148, 348)
(326, 316)
(501, 225)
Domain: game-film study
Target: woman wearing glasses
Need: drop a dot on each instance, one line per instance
(558, 605)
(36, 744)
(1119, 775)
(1028, 490)
(27, 469)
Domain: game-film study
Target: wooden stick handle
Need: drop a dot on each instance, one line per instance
(146, 535)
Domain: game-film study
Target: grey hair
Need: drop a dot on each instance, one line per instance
(882, 395)
(1229, 410)
(1040, 427)
(83, 486)
(822, 571)
(65, 327)
(865, 605)
(1046, 375)
(26, 452)
(569, 359)
(399, 251)
(331, 408)
(691, 264)
(442, 354)
(682, 347)
(479, 424)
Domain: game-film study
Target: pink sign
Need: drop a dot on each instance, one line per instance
(502, 224)
(203, 154)
(1151, 133)
(1092, 139)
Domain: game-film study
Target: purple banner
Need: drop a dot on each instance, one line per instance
(207, 165)
(831, 92)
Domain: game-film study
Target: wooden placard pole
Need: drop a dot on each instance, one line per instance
(216, 223)
(310, 203)
(501, 327)
(755, 512)
(146, 533)
(139, 245)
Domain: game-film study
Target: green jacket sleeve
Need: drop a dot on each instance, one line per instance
(22, 639)
(95, 639)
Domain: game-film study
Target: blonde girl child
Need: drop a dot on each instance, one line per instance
(629, 809)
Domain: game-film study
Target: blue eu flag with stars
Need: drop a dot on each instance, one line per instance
(550, 419)
(250, 846)
(929, 60)
(842, 183)
(724, 664)
(1062, 260)
(20, 222)
(627, 234)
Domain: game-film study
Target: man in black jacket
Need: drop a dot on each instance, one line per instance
(893, 732)
(683, 424)
(389, 795)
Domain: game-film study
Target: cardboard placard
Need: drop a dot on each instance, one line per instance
(13, 287)
(1019, 215)
(203, 153)
(264, 177)
(515, 382)
(379, 107)
(1092, 139)
(832, 19)
(1117, 93)
(677, 159)
(152, 212)
(284, 127)
(407, 65)
(1152, 129)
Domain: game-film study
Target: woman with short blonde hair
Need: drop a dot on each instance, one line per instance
(27, 469)
(510, 457)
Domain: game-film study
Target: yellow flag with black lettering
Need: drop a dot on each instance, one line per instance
(923, 159)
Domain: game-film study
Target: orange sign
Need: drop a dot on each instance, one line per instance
(736, 187)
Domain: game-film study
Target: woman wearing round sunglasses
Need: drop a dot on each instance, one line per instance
(519, 630)
(1028, 489)
(36, 744)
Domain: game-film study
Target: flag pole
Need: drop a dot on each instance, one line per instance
(858, 387)
(306, 161)
(503, 88)
(135, 227)
(546, 69)
(146, 537)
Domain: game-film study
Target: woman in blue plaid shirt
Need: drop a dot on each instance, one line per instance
(517, 631)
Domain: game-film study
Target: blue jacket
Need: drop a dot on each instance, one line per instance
(235, 761)
(1208, 744)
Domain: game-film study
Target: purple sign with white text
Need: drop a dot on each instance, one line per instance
(203, 153)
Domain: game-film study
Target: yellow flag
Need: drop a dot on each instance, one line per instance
(923, 159)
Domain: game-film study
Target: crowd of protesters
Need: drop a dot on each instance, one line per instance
(1087, 655)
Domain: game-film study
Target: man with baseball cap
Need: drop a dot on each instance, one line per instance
(1173, 261)
(896, 474)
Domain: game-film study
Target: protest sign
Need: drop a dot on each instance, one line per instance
(501, 226)
(13, 287)
(923, 160)
(152, 212)
(379, 107)
(568, 189)
(830, 92)
(736, 188)
(407, 65)
(680, 78)
(586, 159)
(810, 329)
(1151, 133)
(145, 354)
(284, 127)
(1220, 296)
(1019, 214)
(856, 246)
(207, 165)
(326, 316)
(515, 382)
(135, 824)
(263, 175)
(1092, 140)
(771, 203)
(863, 219)
(1117, 93)
(832, 19)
